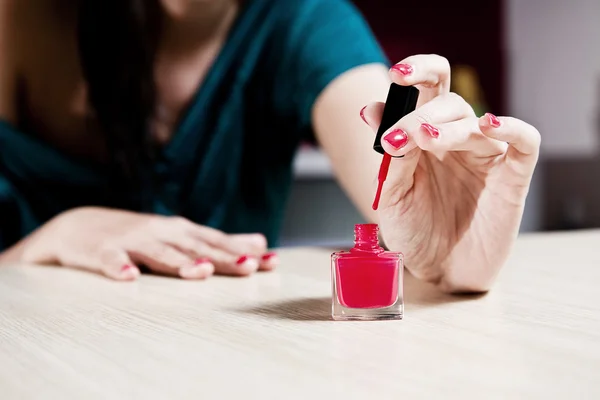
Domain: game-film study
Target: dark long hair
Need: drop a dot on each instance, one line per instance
(117, 41)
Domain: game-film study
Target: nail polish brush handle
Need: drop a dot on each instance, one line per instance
(401, 100)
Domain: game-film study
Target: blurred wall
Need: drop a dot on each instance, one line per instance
(554, 69)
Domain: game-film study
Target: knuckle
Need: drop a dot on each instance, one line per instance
(216, 256)
(521, 129)
(153, 223)
(425, 118)
(219, 239)
(159, 253)
(455, 98)
(446, 66)
(443, 62)
(536, 138)
(107, 245)
(535, 134)
(178, 220)
(188, 244)
(460, 103)
(203, 248)
(108, 253)
(261, 241)
(258, 244)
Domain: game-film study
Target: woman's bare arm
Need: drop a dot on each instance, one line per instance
(345, 138)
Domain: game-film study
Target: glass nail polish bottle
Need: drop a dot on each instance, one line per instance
(367, 281)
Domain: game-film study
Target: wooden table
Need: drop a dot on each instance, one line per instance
(71, 335)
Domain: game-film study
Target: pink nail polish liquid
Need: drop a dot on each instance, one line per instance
(367, 281)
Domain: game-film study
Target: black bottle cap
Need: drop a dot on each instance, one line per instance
(401, 100)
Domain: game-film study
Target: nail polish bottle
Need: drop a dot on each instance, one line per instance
(367, 280)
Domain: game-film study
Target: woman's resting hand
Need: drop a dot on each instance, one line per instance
(115, 243)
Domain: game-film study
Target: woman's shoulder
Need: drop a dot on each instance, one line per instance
(294, 15)
(290, 14)
(310, 26)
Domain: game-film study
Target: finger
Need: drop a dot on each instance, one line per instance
(254, 244)
(164, 259)
(196, 241)
(443, 109)
(523, 139)
(108, 260)
(462, 135)
(185, 243)
(430, 73)
(223, 262)
(230, 255)
(201, 269)
(372, 114)
(230, 264)
(169, 227)
(269, 261)
(114, 263)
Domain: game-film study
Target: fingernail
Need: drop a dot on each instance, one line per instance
(268, 256)
(432, 130)
(129, 270)
(396, 138)
(362, 114)
(201, 260)
(242, 260)
(493, 120)
(126, 267)
(404, 69)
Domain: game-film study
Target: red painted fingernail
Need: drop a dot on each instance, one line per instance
(494, 121)
(362, 114)
(242, 260)
(396, 138)
(433, 131)
(268, 256)
(201, 260)
(126, 267)
(404, 69)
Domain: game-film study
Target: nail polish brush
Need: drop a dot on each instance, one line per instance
(401, 100)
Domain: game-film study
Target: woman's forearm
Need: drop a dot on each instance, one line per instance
(346, 140)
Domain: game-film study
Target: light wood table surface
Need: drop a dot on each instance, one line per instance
(71, 335)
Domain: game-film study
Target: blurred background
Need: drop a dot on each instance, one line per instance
(537, 60)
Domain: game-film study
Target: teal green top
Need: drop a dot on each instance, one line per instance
(229, 164)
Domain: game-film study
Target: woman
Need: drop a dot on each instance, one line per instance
(161, 133)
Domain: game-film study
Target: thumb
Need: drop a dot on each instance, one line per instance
(404, 152)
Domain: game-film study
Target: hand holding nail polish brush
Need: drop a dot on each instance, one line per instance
(455, 183)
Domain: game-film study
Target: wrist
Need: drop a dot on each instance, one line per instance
(31, 249)
(13, 254)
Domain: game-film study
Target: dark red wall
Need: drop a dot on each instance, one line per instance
(464, 31)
